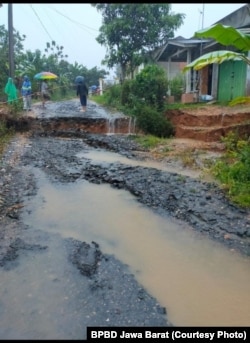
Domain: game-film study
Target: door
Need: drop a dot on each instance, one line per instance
(232, 80)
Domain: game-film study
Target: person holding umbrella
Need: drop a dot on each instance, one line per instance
(44, 76)
(82, 91)
(44, 92)
(26, 93)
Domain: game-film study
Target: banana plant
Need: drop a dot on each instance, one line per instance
(227, 36)
(215, 57)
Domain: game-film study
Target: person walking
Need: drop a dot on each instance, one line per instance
(10, 90)
(82, 91)
(44, 92)
(26, 93)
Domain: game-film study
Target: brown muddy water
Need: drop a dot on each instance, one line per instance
(99, 155)
(200, 282)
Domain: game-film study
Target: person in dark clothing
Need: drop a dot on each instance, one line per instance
(82, 91)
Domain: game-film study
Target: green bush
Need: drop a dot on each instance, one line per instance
(112, 96)
(233, 169)
(151, 86)
(144, 99)
(150, 121)
(177, 85)
(128, 98)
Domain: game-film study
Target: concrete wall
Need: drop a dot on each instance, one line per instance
(172, 68)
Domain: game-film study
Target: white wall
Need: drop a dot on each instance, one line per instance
(173, 68)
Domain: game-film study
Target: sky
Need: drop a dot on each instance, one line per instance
(76, 26)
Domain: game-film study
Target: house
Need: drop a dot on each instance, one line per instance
(175, 54)
(224, 81)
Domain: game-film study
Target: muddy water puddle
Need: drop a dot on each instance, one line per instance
(198, 281)
(100, 155)
(35, 297)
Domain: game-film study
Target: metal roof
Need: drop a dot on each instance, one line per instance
(177, 48)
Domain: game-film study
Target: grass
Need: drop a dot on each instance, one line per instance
(233, 170)
(100, 99)
(5, 137)
(7, 110)
(180, 106)
(149, 141)
(188, 158)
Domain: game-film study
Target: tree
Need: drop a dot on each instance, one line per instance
(131, 31)
(4, 52)
(94, 74)
(30, 63)
(55, 50)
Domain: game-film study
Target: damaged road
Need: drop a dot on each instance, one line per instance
(95, 289)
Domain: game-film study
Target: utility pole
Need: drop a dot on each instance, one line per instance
(202, 25)
(202, 22)
(11, 42)
(201, 49)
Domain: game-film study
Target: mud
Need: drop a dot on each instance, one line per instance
(210, 122)
(111, 295)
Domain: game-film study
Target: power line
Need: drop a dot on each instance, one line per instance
(48, 16)
(41, 23)
(64, 26)
(74, 21)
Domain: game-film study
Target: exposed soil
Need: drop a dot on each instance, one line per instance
(112, 292)
(210, 122)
